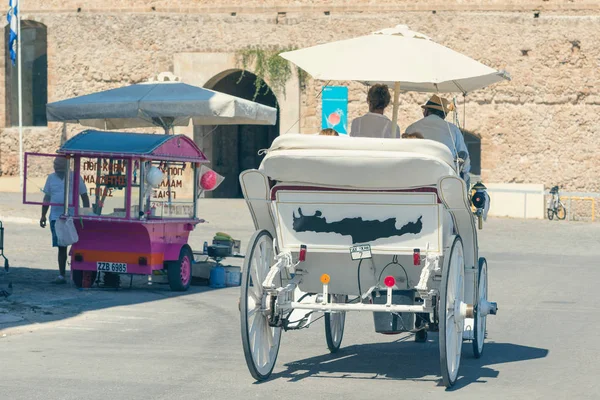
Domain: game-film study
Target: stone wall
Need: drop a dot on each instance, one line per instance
(539, 128)
(252, 6)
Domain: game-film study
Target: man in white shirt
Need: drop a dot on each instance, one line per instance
(374, 124)
(434, 127)
(54, 191)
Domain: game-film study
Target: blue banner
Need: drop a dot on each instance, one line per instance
(12, 17)
(334, 107)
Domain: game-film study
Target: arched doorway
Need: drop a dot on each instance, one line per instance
(473, 143)
(234, 148)
(34, 79)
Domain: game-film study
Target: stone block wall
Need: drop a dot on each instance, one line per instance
(539, 128)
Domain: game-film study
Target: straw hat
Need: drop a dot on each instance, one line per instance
(439, 103)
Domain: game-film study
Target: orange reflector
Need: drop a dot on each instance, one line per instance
(389, 281)
(325, 279)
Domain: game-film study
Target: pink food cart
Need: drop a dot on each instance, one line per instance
(143, 194)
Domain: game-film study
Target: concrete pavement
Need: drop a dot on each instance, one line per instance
(150, 343)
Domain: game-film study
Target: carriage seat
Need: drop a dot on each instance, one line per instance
(357, 162)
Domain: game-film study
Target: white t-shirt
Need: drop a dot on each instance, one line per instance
(435, 128)
(55, 188)
(373, 125)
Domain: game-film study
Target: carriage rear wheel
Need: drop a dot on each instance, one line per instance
(259, 339)
(334, 324)
(451, 322)
(480, 320)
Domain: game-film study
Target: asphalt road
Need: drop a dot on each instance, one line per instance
(150, 343)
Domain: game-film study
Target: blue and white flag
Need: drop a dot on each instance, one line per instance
(12, 16)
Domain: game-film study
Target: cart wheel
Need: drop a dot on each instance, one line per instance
(561, 212)
(179, 272)
(451, 324)
(334, 324)
(480, 321)
(84, 279)
(259, 339)
(550, 213)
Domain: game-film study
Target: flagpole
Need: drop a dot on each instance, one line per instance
(20, 95)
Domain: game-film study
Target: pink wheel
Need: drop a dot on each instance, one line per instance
(180, 272)
(186, 268)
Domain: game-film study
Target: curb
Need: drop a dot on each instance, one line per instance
(18, 220)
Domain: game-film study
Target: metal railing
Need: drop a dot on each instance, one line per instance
(569, 197)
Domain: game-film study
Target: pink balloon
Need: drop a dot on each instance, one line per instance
(208, 180)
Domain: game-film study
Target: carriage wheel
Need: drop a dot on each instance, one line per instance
(480, 321)
(334, 324)
(561, 212)
(451, 323)
(179, 273)
(260, 341)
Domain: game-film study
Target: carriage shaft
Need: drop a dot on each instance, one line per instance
(361, 307)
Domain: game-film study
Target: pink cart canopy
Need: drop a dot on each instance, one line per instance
(111, 169)
(126, 144)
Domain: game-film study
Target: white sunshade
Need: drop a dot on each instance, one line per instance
(396, 55)
(162, 104)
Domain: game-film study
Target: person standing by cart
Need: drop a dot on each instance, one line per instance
(54, 192)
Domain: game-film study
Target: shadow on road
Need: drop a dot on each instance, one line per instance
(406, 360)
(35, 299)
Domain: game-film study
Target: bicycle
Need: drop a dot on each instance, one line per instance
(555, 206)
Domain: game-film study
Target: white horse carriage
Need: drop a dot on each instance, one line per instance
(379, 225)
(362, 224)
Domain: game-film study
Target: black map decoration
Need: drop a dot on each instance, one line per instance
(360, 230)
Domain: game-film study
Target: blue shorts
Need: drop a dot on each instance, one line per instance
(53, 230)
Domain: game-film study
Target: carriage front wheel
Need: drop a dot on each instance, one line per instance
(259, 339)
(480, 320)
(334, 324)
(450, 321)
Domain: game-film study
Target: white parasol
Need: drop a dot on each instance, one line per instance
(399, 57)
(164, 104)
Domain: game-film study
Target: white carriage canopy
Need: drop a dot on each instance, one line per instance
(357, 162)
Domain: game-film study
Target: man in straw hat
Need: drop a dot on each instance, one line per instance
(434, 127)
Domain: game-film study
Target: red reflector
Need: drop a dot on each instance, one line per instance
(417, 257)
(302, 256)
(389, 281)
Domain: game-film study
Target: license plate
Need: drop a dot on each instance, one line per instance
(120, 268)
(360, 252)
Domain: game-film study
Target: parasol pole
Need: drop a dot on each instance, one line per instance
(395, 109)
(20, 93)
